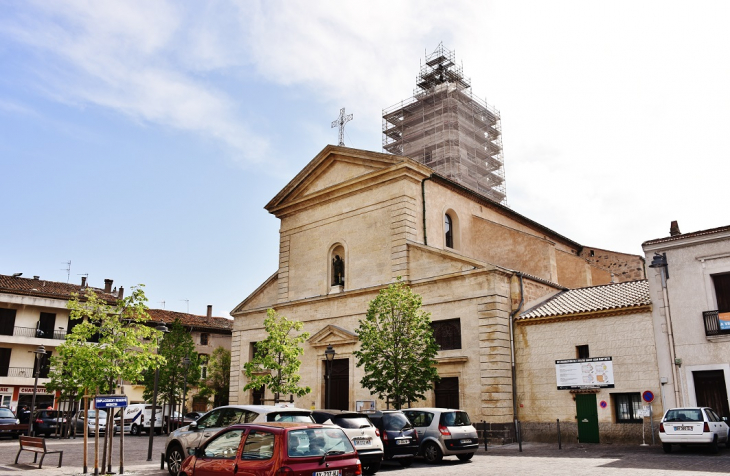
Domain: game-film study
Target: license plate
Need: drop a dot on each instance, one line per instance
(683, 428)
(465, 442)
(361, 441)
(402, 442)
(332, 472)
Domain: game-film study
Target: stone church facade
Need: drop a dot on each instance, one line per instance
(476, 263)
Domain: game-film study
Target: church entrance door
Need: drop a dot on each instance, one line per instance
(338, 385)
(447, 392)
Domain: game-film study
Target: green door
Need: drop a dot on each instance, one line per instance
(587, 410)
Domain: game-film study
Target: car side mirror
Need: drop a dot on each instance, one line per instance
(724, 418)
(199, 452)
(193, 426)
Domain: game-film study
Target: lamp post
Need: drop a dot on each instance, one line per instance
(186, 365)
(329, 354)
(162, 328)
(39, 353)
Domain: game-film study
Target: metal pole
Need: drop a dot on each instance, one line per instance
(31, 430)
(560, 443)
(96, 438)
(86, 430)
(154, 412)
(110, 418)
(329, 382)
(121, 439)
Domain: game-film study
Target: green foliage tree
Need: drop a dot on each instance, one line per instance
(110, 343)
(276, 360)
(218, 381)
(397, 347)
(174, 347)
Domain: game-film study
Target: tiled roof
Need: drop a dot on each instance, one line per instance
(191, 320)
(43, 288)
(687, 235)
(593, 299)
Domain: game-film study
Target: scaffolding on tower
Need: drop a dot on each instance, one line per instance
(447, 128)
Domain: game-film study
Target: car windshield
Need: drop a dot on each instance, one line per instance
(317, 442)
(5, 413)
(351, 422)
(296, 417)
(455, 419)
(395, 422)
(683, 414)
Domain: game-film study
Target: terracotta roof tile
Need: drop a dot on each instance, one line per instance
(43, 288)
(687, 235)
(593, 299)
(191, 320)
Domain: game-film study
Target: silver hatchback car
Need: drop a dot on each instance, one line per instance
(443, 432)
(182, 440)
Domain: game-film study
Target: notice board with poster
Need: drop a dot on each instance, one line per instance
(596, 372)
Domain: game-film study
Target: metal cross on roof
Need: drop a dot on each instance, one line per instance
(341, 121)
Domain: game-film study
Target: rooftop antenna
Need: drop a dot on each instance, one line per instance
(163, 304)
(341, 121)
(187, 303)
(68, 270)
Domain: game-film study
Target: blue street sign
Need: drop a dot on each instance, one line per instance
(111, 401)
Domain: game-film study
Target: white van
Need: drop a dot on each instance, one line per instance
(137, 418)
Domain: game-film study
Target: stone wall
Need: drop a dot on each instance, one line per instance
(625, 267)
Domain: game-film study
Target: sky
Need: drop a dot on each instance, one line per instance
(141, 140)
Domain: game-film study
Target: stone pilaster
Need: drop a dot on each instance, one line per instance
(402, 228)
(283, 280)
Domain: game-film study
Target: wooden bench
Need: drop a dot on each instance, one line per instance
(38, 446)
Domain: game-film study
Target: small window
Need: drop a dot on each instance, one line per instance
(582, 351)
(722, 291)
(203, 365)
(447, 333)
(204, 338)
(628, 406)
(449, 231)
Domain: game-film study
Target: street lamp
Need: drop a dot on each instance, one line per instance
(162, 328)
(39, 353)
(186, 364)
(329, 354)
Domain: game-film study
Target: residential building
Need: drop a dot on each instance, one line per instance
(689, 281)
(34, 313)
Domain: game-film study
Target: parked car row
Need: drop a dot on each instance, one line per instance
(257, 438)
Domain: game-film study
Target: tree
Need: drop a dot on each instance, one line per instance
(174, 347)
(276, 360)
(218, 381)
(397, 347)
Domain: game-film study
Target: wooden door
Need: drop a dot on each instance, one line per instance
(587, 411)
(447, 392)
(338, 385)
(710, 391)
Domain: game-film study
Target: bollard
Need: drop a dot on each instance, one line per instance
(484, 434)
(560, 443)
(162, 460)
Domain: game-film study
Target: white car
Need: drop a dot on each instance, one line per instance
(182, 441)
(693, 426)
(361, 431)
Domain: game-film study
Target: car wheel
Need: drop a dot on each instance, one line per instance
(134, 431)
(714, 448)
(405, 462)
(667, 447)
(465, 456)
(432, 453)
(174, 458)
(371, 468)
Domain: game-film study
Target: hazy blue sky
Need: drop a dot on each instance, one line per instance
(141, 140)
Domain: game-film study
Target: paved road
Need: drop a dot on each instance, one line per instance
(535, 459)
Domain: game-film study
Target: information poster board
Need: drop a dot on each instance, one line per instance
(595, 372)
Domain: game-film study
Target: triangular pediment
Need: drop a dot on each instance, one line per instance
(332, 168)
(332, 335)
(264, 296)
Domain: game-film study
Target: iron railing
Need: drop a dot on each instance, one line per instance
(18, 372)
(58, 334)
(713, 325)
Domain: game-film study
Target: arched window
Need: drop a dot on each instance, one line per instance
(449, 231)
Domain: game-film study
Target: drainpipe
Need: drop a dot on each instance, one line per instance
(423, 197)
(670, 335)
(512, 351)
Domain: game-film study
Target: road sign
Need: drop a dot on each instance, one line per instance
(110, 401)
(648, 396)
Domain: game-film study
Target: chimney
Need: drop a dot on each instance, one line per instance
(83, 281)
(121, 292)
(674, 229)
(36, 278)
(210, 310)
(108, 285)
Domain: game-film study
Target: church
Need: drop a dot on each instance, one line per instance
(353, 221)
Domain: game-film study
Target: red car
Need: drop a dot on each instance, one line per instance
(266, 449)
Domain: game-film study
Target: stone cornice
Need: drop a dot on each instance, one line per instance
(585, 315)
